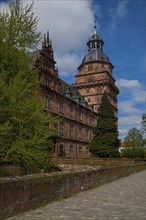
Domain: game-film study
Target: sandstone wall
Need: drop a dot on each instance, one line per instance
(24, 193)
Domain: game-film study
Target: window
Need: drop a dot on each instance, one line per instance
(87, 90)
(47, 102)
(80, 149)
(87, 133)
(71, 112)
(61, 107)
(90, 68)
(61, 127)
(89, 100)
(61, 151)
(47, 82)
(71, 148)
(71, 130)
(87, 118)
(99, 89)
(99, 99)
(80, 132)
(95, 108)
(90, 78)
(80, 116)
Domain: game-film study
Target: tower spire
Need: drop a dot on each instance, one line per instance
(95, 17)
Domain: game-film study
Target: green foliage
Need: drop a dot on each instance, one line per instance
(26, 130)
(105, 141)
(18, 35)
(135, 137)
(134, 153)
(105, 152)
(143, 127)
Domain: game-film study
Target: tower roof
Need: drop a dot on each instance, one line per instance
(95, 52)
(95, 55)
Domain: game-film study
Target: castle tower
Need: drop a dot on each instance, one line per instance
(95, 75)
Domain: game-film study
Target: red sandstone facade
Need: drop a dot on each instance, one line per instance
(76, 105)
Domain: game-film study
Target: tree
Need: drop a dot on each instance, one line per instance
(105, 142)
(26, 130)
(135, 137)
(143, 125)
(134, 152)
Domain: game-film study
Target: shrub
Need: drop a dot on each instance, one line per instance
(134, 153)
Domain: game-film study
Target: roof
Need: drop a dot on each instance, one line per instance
(95, 54)
(74, 95)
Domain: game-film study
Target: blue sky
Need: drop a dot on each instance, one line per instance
(121, 24)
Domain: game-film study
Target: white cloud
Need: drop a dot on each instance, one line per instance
(119, 12)
(123, 132)
(132, 95)
(128, 122)
(128, 107)
(132, 120)
(67, 63)
(135, 90)
(128, 84)
(70, 24)
(139, 96)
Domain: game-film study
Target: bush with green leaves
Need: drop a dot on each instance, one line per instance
(134, 152)
(26, 129)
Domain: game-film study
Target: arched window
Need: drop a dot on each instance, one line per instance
(61, 151)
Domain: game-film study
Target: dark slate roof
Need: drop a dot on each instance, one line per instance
(95, 54)
(73, 94)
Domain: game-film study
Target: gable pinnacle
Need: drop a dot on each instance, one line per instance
(44, 42)
(47, 36)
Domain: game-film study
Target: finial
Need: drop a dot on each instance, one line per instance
(47, 36)
(95, 17)
(44, 43)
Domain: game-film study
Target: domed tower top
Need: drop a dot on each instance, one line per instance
(95, 51)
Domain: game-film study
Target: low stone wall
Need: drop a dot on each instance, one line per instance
(24, 193)
(65, 163)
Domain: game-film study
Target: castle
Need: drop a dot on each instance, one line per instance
(77, 105)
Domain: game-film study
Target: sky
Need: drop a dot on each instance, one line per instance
(122, 26)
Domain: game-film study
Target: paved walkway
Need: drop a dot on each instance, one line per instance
(124, 199)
